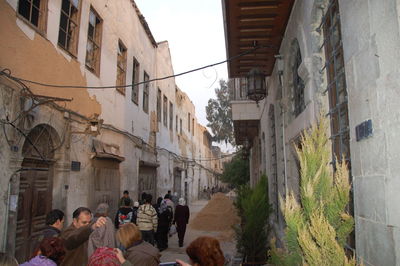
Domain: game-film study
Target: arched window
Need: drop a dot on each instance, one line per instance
(298, 83)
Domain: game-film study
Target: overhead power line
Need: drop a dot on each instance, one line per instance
(7, 72)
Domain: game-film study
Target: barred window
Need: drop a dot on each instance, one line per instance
(298, 83)
(274, 161)
(69, 26)
(93, 47)
(337, 92)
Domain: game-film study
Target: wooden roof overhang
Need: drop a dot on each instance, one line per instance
(250, 23)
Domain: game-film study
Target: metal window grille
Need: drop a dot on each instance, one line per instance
(337, 93)
(274, 161)
(298, 83)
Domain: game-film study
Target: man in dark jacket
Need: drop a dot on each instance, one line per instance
(76, 236)
(54, 224)
(125, 214)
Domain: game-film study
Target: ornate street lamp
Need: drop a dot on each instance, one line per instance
(256, 86)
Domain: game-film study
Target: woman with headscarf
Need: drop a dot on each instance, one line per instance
(181, 219)
(164, 223)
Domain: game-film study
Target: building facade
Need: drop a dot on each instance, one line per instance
(335, 57)
(93, 126)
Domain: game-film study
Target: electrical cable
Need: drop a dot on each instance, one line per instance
(3, 72)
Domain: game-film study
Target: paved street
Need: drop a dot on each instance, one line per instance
(174, 252)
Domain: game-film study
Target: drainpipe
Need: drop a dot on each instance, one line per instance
(7, 211)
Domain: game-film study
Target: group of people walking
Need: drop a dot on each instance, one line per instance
(137, 235)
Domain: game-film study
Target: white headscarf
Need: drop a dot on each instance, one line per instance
(181, 201)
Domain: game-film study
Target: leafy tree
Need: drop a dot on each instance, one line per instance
(219, 114)
(236, 172)
(318, 225)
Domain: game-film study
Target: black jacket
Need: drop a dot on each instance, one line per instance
(125, 215)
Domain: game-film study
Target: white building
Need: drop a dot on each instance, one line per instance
(66, 147)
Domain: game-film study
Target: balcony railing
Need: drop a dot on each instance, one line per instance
(238, 88)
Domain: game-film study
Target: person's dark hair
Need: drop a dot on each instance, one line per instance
(53, 248)
(148, 199)
(126, 202)
(78, 212)
(144, 195)
(169, 191)
(205, 251)
(159, 201)
(53, 216)
(126, 192)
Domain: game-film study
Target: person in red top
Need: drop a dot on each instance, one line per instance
(181, 219)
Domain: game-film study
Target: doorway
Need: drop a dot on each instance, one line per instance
(35, 190)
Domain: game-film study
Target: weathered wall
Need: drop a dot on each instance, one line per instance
(27, 54)
(371, 39)
(372, 59)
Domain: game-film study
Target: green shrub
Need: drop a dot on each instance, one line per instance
(253, 209)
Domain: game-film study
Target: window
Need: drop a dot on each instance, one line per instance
(274, 161)
(298, 83)
(165, 111)
(192, 126)
(34, 12)
(180, 128)
(69, 26)
(135, 80)
(146, 86)
(189, 122)
(337, 93)
(94, 42)
(121, 67)
(158, 105)
(171, 116)
(176, 124)
(337, 90)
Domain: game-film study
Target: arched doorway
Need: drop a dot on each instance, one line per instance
(35, 189)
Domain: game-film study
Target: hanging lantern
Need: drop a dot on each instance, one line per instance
(256, 86)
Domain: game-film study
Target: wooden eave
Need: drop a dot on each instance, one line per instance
(249, 22)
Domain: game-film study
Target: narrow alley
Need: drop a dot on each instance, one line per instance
(213, 218)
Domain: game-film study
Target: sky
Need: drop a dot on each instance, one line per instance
(195, 33)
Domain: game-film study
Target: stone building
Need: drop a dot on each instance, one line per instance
(94, 130)
(337, 57)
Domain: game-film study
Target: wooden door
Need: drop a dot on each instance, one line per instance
(147, 181)
(34, 202)
(106, 185)
(178, 181)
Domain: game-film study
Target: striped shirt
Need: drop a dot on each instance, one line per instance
(147, 218)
